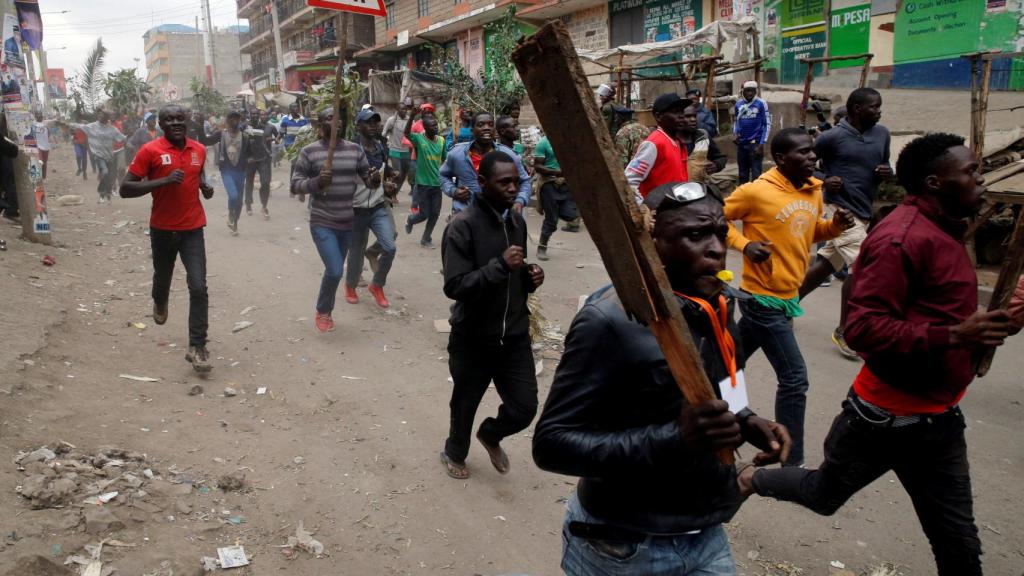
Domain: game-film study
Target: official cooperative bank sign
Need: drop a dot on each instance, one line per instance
(371, 7)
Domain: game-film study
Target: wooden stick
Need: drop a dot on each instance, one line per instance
(807, 93)
(1007, 281)
(339, 75)
(824, 59)
(865, 70)
(986, 80)
(974, 108)
(554, 80)
(980, 220)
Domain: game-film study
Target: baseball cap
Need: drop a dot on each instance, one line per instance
(749, 84)
(367, 116)
(671, 100)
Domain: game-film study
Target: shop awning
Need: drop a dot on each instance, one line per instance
(552, 9)
(714, 34)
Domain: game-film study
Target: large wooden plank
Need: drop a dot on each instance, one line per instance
(1013, 265)
(566, 107)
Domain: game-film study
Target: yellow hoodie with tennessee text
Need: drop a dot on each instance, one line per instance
(773, 210)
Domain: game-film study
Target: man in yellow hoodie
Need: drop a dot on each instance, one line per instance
(782, 218)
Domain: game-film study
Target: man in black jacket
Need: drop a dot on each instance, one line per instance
(652, 495)
(485, 272)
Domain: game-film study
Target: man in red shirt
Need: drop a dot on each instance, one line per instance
(171, 168)
(660, 159)
(914, 319)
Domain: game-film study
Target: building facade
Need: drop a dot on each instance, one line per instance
(308, 43)
(175, 55)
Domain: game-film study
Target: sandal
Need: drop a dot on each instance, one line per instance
(453, 468)
(499, 459)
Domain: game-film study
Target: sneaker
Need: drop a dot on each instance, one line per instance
(427, 243)
(408, 226)
(350, 295)
(248, 210)
(159, 313)
(324, 322)
(844, 348)
(571, 228)
(542, 253)
(378, 295)
(826, 282)
(266, 213)
(200, 358)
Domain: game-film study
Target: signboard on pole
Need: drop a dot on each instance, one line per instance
(371, 7)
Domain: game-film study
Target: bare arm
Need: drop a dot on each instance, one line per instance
(133, 187)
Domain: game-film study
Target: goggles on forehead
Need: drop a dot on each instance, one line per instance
(687, 192)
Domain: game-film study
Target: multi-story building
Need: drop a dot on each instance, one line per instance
(308, 42)
(175, 54)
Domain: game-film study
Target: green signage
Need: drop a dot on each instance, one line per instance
(849, 30)
(671, 19)
(797, 44)
(796, 13)
(936, 29)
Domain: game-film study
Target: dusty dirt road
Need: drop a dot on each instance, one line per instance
(346, 438)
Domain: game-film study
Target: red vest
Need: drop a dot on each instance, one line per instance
(670, 165)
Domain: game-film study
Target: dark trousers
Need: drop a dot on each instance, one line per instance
(167, 245)
(428, 199)
(251, 170)
(762, 327)
(750, 164)
(557, 203)
(473, 366)
(930, 460)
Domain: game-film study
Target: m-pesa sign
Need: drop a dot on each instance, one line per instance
(371, 7)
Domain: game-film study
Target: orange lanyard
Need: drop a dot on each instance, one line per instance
(718, 324)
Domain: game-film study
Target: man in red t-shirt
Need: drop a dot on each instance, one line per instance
(171, 168)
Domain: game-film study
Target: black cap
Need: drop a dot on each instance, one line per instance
(693, 91)
(666, 101)
(622, 110)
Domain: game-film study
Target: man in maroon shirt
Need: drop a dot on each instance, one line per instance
(171, 169)
(914, 319)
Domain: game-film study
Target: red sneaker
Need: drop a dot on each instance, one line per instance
(350, 295)
(378, 295)
(324, 322)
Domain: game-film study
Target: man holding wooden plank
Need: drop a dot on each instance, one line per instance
(652, 495)
(914, 319)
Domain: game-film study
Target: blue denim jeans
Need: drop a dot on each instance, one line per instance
(333, 246)
(382, 223)
(705, 553)
(106, 176)
(750, 165)
(234, 184)
(767, 328)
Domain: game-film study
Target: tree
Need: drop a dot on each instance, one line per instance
(90, 79)
(206, 98)
(126, 90)
(321, 97)
(497, 85)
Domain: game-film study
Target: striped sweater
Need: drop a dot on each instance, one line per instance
(333, 209)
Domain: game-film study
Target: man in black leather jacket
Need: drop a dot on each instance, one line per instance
(486, 273)
(652, 495)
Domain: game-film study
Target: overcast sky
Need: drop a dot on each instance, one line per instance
(121, 24)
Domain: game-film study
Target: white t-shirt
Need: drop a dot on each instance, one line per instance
(42, 135)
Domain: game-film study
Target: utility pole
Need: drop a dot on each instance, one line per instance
(278, 54)
(213, 49)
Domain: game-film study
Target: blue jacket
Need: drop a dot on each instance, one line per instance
(753, 122)
(706, 121)
(459, 167)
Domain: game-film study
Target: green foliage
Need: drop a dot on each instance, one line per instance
(127, 91)
(320, 98)
(206, 98)
(498, 84)
(89, 86)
